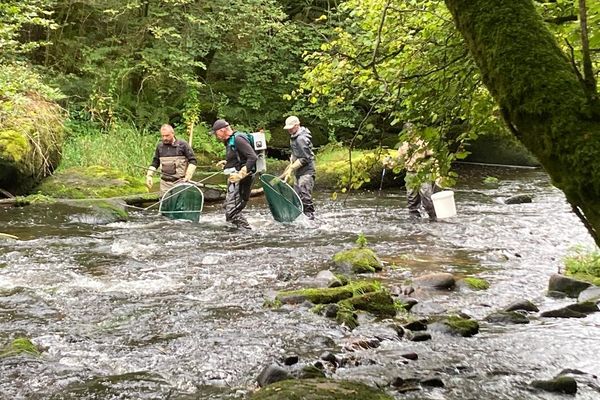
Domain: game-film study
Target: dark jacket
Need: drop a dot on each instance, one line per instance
(173, 159)
(301, 145)
(242, 153)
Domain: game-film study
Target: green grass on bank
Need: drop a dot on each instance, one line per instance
(126, 148)
(583, 264)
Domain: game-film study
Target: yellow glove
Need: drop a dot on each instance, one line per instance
(290, 170)
(189, 172)
(221, 164)
(149, 181)
(238, 176)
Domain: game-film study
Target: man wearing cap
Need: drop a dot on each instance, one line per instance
(240, 158)
(302, 163)
(175, 158)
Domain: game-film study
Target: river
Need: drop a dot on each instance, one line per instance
(156, 309)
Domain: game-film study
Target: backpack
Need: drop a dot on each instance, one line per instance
(256, 145)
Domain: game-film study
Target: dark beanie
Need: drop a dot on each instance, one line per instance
(219, 124)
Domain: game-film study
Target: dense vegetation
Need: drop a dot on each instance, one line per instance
(355, 71)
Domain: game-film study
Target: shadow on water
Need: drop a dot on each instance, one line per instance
(156, 309)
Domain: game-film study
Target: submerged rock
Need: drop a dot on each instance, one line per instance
(564, 312)
(319, 389)
(456, 325)
(564, 284)
(590, 294)
(271, 374)
(522, 305)
(439, 280)
(507, 317)
(561, 384)
(519, 199)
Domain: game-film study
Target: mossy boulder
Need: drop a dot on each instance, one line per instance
(91, 182)
(456, 325)
(358, 260)
(104, 211)
(32, 131)
(21, 201)
(326, 295)
(18, 346)
(379, 303)
(319, 389)
(476, 283)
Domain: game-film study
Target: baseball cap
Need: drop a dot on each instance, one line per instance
(291, 121)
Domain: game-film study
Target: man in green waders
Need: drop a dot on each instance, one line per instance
(240, 162)
(175, 158)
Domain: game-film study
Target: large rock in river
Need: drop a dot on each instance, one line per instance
(319, 389)
(31, 132)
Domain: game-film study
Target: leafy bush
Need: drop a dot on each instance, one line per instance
(583, 265)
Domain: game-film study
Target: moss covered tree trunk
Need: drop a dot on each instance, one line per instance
(542, 97)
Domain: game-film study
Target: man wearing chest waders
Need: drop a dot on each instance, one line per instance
(302, 164)
(175, 158)
(240, 162)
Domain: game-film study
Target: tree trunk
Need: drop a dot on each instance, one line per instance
(588, 73)
(541, 98)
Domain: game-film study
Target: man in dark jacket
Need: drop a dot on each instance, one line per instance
(175, 158)
(240, 160)
(302, 163)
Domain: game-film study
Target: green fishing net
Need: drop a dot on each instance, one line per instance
(284, 203)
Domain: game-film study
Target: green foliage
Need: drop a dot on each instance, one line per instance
(400, 63)
(361, 241)
(490, 180)
(337, 166)
(148, 63)
(583, 264)
(17, 17)
(561, 17)
(19, 346)
(272, 304)
(123, 148)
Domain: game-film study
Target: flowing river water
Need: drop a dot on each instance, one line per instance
(157, 309)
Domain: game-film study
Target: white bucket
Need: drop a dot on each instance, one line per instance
(443, 203)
